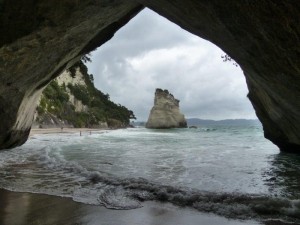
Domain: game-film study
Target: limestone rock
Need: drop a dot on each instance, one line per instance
(66, 78)
(44, 39)
(165, 112)
(72, 100)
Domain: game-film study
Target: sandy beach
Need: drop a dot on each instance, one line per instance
(38, 209)
(83, 131)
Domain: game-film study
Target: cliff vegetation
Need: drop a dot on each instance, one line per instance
(72, 100)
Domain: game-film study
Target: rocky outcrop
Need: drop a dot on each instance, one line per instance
(66, 79)
(46, 115)
(38, 41)
(165, 113)
(45, 37)
(72, 100)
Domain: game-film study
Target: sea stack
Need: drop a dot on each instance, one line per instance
(165, 113)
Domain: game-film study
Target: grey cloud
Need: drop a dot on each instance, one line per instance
(145, 32)
(150, 52)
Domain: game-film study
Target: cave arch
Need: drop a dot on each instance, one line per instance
(151, 52)
(45, 38)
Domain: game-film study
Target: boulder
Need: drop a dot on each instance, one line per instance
(165, 113)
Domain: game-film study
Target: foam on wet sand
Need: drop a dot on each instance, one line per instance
(37, 209)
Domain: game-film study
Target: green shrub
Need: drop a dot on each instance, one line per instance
(40, 110)
(55, 100)
(80, 92)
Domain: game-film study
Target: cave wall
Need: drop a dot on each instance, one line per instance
(39, 39)
(263, 37)
(42, 38)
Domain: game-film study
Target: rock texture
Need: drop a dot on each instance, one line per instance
(263, 37)
(41, 38)
(72, 100)
(65, 79)
(50, 119)
(165, 113)
(38, 41)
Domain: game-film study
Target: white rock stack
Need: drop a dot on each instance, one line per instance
(165, 113)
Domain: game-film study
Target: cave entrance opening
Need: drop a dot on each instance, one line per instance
(151, 52)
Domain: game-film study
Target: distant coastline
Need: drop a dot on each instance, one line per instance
(203, 122)
(231, 122)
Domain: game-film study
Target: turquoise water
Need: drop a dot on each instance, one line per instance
(227, 170)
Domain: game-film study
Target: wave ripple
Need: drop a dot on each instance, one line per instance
(129, 193)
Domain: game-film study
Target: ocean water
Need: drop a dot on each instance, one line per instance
(232, 171)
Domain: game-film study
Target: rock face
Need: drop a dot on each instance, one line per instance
(72, 100)
(263, 38)
(48, 119)
(165, 112)
(39, 43)
(45, 37)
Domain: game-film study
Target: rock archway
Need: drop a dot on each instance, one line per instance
(42, 38)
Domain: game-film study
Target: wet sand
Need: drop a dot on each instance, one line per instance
(38, 209)
(84, 131)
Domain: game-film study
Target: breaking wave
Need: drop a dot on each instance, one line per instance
(49, 170)
(231, 205)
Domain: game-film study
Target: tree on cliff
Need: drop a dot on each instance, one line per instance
(227, 58)
(100, 108)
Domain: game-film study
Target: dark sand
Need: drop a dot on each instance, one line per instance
(38, 209)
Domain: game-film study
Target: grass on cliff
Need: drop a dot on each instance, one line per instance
(100, 108)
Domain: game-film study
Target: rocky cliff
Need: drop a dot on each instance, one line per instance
(40, 39)
(71, 100)
(165, 113)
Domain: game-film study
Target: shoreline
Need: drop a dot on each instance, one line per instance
(18, 208)
(21, 208)
(35, 131)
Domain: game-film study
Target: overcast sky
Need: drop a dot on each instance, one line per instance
(151, 52)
